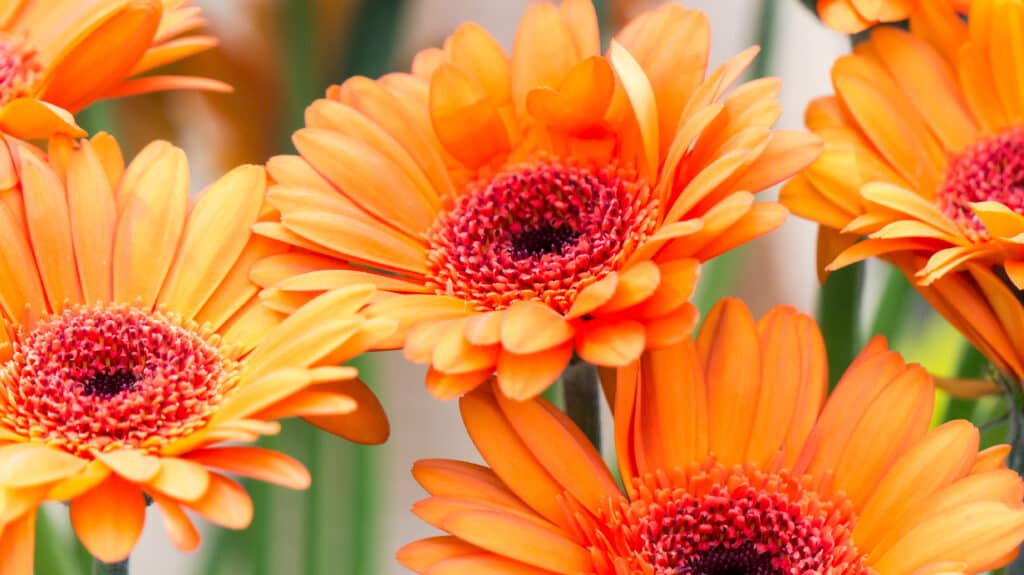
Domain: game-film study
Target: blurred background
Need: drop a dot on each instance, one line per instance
(281, 55)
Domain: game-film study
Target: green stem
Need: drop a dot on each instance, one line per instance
(101, 568)
(581, 389)
(838, 314)
(1013, 393)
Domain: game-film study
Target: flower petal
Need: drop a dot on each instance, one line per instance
(108, 520)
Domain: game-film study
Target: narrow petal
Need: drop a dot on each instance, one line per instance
(255, 463)
(225, 503)
(150, 226)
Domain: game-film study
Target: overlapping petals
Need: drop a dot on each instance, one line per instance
(846, 484)
(921, 165)
(58, 56)
(515, 210)
(132, 304)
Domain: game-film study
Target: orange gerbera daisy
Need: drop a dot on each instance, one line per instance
(852, 16)
(515, 211)
(923, 141)
(58, 56)
(785, 482)
(135, 344)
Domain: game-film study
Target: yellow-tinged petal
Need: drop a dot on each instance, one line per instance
(641, 97)
(30, 464)
(31, 119)
(531, 327)
(180, 479)
(225, 503)
(135, 466)
(255, 463)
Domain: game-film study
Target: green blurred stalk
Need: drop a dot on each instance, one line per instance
(58, 551)
(99, 117)
(581, 390)
(101, 568)
(838, 315)
(893, 307)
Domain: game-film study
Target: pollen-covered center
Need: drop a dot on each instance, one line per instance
(989, 170)
(19, 69)
(541, 232)
(718, 520)
(98, 378)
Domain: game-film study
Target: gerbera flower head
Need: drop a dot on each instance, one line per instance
(58, 56)
(516, 210)
(921, 163)
(785, 481)
(922, 142)
(135, 345)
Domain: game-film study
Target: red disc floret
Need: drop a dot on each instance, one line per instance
(539, 231)
(712, 519)
(97, 378)
(989, 170)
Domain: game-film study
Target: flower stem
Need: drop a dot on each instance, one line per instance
(582, 390)
(1013, 392)
(101, 568)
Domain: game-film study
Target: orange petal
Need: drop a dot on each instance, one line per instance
(225, 503)
(562, 449)
(520, 540)
(672, 328)
(135, 466)
(466, 122)
(103, 58)
(17, 545)
(524, 376)
(635, 285)
(31, 119)
(506, 454)
(543, 52)
(612, 343)
(49, 228)
(90, 198)
(255, 463)
(731, 354)
(641, 98)
(452, 385)
(444, 477)
(108, 520)
(419, 556)
(593, 296)
(31, 464)
(179, 527)
(181, 479)
(152, 209)
(530, 327)
(215, 234)
(368, 424)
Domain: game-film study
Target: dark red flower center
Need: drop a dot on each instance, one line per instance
(97, 378)
(19, 69)
(744, 559)
(718, 520)
(989, 170)
(539, 231)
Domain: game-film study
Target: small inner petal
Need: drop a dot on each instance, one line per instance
(19, 69)
(989, 170)
(540, 231)
(103, 377)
